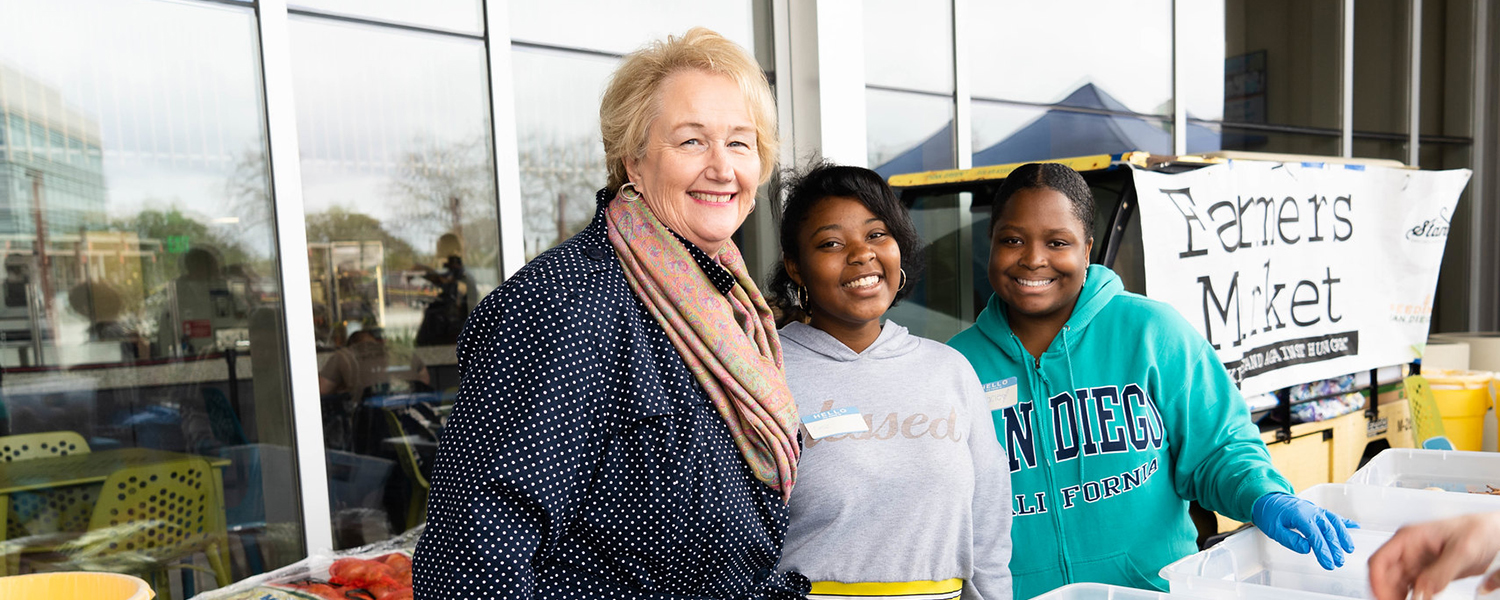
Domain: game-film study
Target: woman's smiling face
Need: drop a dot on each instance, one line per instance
(1039, 255)
(850, 265)
(700, 168)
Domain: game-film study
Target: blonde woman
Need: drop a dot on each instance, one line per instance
(623, 428)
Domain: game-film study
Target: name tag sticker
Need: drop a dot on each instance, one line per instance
(838, 421)
(1002, 394)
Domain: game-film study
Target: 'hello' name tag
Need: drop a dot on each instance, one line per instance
(1002, 394)
(838, 421)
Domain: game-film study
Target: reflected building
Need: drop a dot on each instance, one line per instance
(46, 145)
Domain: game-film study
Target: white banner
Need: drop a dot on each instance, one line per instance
(1298, 272)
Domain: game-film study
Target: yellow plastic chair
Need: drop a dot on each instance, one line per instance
(43, 512)
(416, 510)
(75, 586)
(151, 517)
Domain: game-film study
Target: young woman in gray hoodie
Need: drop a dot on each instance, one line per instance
(901, 489)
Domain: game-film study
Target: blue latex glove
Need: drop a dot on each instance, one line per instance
(1301, 525)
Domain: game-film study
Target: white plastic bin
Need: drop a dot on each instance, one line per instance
(1250, 566)
(1101, 591)
(1381, 508)
(1451, 470)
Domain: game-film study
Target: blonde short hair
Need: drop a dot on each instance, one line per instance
(631, 100)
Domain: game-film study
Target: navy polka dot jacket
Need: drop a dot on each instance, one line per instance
(582, 460)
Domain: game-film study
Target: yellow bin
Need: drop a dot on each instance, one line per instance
(1463, 398)
(75, 586)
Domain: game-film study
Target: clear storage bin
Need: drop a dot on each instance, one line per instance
(1381, 508)
(1101, 591)
(1251, 566)
(1449, 470)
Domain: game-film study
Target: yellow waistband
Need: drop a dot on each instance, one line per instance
(894, 588)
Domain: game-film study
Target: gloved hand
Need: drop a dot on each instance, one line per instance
(1301, 525)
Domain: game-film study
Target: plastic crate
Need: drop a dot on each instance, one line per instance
(1101, 591)
(1382, 508)
(1450, 470)
(1250, 566)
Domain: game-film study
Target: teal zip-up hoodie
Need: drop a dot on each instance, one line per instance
(1126, 417)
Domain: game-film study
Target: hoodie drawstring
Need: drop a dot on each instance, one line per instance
(1067, 348)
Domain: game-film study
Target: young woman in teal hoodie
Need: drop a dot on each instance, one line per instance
(1113, 411)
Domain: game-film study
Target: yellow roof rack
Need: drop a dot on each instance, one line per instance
(1077, 163)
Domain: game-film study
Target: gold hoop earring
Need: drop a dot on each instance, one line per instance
(629, 193)
(903, 281)
(803, 302)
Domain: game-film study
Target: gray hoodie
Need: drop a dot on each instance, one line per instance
(924, 494)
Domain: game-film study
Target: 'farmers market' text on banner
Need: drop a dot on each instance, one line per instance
(1298, 272)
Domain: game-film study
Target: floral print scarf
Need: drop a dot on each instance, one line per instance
(727, 340)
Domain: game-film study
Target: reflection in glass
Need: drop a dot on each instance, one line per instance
(465, 16)
(557, 132)
(1380, 148)
(909, 45)
(908, 132)
(1006, 133)
(1228, 137)
(398, 185)
(1042, 52)
(1451, 303)
(140, 328)
(1201, 24)
(1382, 67)
(1281, 63)
(622, 26)
(560, 68)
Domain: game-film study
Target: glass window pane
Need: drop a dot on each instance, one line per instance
(561, 157)
(1451, 300)
(560, 75)
(909, 45)
(622, 26)
(1007, 133)
(908, 132)
(465, 16)
(1380, 148)
(1382, 67)
(1208, 137)
(1047, 53)
(938, 307)
(141, 316)
(398, 188)
(1282, 63)
(1448, 54)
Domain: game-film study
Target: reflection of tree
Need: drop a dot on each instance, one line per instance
(248, 195)
(170, 225)
(338, 224)
(437, 188)
(558, 181)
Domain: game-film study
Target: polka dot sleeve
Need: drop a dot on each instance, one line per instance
(516, 451)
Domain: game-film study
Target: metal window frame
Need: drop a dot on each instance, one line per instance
(1179, 80)
(1346, 84)
(285, 162)
(509, 209)
(1414, 84)
(963, 145)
